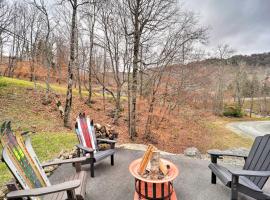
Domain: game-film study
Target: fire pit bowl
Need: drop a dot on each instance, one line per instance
(158, 189)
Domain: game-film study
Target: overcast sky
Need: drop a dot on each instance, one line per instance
(243, 24)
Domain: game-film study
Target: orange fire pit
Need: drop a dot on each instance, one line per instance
(146, 188)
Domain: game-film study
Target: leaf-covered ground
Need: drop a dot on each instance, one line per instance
(22, 105)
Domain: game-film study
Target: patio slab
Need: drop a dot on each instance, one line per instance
(116, 183)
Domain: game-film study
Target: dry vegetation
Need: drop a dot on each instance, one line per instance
(174, 133)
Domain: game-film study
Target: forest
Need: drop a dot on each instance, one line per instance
(139, 63)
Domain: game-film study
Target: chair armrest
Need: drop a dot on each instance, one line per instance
(69, 185)
(86, 149)
(106, 140)
(224, 153)
(250, 173)
(67, 161)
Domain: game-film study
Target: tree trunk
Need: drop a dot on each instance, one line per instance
(77, 63)
(117, 104)
(251, 106)
(136, 44)
(70, 66)
(149, 117)
(90, 62)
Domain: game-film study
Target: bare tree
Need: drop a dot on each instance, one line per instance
(223, 52)
(116, 45)
(74, 4)
(42, 7)
(240, 83)
(170, 45)
(146, 18)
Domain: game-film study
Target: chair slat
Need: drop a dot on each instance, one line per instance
(263, 164)
(259, 159)
(252, 152)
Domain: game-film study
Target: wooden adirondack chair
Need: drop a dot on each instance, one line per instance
(254, 175)
(88, 146)
(31, 180)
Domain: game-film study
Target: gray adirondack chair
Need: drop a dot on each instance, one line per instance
(251, 179)
(94, 155)
(74, 187)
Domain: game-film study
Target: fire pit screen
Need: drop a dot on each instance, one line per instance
(153, 176)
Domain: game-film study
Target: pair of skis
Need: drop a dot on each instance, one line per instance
(19, 160)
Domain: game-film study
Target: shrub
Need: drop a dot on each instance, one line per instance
(232, 111)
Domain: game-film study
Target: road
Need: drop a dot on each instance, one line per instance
(250, 128)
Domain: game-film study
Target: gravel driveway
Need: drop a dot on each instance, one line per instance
(250, 128)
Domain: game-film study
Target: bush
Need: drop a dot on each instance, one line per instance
(233, 111)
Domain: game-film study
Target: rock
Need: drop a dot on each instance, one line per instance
(73, 152)
(192, 152)
(49, 173)
(2, 194)
(66, 155)
(49, 169)
(61, 158)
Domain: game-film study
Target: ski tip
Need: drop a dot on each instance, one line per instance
(76, 125)
(3, 127)
(8, 125)
(92, 122)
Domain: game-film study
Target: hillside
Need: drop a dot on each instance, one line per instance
(255, 60)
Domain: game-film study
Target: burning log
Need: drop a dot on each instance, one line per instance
(146, 157)
(151, 165)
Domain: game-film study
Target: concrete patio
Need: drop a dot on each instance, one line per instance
(116, 183)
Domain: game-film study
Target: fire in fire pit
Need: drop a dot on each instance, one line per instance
(151, 166)
(153, 176)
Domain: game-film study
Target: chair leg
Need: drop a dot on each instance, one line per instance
(112, 160)
(213, 178)
(234, 188)
(92, 169)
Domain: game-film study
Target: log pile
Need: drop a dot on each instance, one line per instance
(151, 166)
(105, 131)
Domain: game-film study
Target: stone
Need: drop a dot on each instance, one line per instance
(192, 152)
(2, 194)
(66, 155)
(49, 169)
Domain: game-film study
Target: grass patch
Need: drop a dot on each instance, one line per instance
(27, 113)
(47, 146)
(6, 81)
(223, 138)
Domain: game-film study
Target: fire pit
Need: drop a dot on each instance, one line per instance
(153, 176)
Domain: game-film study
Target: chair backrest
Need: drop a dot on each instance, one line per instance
(259, 159)
(85, 131)
(21, 159)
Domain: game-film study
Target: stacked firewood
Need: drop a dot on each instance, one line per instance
(105, 131)
(151, 166)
